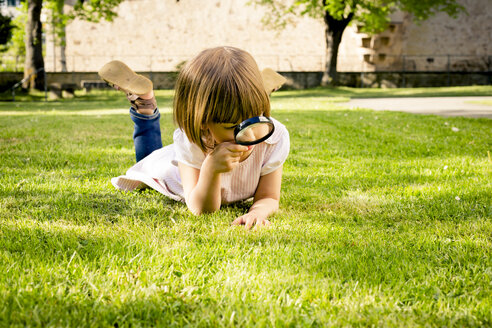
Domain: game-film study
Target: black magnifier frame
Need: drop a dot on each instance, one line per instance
(250, 121)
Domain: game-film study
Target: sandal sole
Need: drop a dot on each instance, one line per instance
(117, 73)
(272, 80)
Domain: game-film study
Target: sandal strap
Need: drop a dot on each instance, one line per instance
(140, 103)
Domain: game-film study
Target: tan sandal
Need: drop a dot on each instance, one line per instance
(272, 80)
(116, 73)
(121, 77)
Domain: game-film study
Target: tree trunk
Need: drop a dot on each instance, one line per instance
(34, 65)
(63, 55)
(333, 33)
(59, 51)
(62, 49)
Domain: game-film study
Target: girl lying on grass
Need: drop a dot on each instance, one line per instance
(204, 167)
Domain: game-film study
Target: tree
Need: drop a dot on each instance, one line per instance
(13, 52)
(34, 63)
(89, 10)
(371, 15)
(6, 27)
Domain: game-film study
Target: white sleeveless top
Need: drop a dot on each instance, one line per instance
(160, 171)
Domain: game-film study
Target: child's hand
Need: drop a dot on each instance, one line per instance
(226, 156)
(250, 219)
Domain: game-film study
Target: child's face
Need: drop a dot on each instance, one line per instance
(222, 132)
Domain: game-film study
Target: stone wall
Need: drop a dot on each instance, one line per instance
(159, 35)
(440, 43)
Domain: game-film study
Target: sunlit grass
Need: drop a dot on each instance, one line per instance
(481, 102)
(385, 220)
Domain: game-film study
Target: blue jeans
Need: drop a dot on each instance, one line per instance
(146, 134)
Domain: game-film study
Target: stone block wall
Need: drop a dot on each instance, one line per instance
(159, 35)
(440, 43)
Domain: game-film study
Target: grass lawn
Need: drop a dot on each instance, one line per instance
(385, 220)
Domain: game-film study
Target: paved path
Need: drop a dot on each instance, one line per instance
(445, 106)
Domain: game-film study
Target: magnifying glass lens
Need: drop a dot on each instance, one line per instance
(254, 130)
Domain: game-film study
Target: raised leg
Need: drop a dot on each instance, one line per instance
(146, 134)
(143, 111)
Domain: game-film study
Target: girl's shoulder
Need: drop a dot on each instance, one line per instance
(180, 138)
(186, 151)
(280, 134)
(179, 135)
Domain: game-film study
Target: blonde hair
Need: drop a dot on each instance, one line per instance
(219, 85)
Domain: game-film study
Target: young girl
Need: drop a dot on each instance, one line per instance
(204, 167)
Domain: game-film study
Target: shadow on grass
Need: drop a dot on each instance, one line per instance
(364, 134)
(92, 208)
(393, 203)
(94, 100)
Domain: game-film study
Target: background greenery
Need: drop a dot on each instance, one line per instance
(385, 220)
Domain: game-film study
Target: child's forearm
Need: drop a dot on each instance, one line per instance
(205, 197)
(264, 207)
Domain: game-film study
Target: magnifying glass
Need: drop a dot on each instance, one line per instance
(253, 130)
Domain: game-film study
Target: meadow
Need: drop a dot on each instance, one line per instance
(385, 220)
